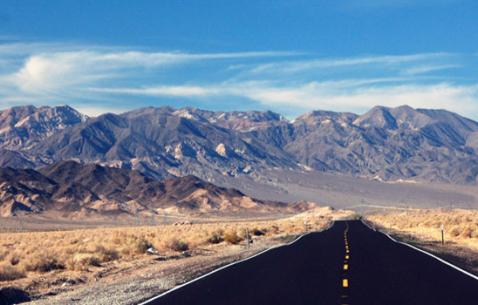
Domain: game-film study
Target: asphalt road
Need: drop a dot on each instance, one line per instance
(347, 264)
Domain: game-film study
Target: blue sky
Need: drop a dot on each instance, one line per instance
(286, 56)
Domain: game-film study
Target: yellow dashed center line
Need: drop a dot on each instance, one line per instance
(345, 281)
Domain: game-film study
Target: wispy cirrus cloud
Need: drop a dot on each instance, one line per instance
(52, 71)
(97, 79)
(344, 95)
(461, 99)
(422, 69)
(393, 61)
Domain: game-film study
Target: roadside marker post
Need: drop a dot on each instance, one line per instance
(248, 239)
(442, 234)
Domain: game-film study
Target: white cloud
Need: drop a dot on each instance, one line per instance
(93, 111)
(422, 69)
(57, 71)
(186, 91)
(342, 95)
(47, 74)
(461, 99)
(313, 64)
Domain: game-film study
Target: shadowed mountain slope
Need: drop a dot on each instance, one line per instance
(75, 189)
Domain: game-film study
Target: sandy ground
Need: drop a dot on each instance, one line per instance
(346, 192)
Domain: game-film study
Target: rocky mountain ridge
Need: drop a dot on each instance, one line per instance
(384, 143)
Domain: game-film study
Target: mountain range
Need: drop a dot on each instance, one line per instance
(384, 143)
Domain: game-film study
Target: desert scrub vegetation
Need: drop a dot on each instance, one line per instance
(86, 250)
(258, 232)
(216, 237)
(232, 237)
(461, 226)
(177, 245)
(10, 273)
(41, 262)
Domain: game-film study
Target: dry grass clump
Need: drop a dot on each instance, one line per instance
(461, 226)
(10, 273)
(42, 262)
(177, 245)
(216, 237)
(232, 237)
(81, 261)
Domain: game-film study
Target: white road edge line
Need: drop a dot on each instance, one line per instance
(229, 265)
(427, 253)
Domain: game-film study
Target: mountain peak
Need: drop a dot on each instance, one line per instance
(25, 125)
(378, 116)
(400, 142)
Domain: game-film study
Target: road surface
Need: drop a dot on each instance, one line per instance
(347, 264)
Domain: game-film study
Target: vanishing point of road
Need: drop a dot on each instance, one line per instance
(348, 264)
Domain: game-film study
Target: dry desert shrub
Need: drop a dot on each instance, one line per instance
(232, 237)
(107, 255)
(258, 232)
(42, 262)
(140, 245)
(81, 261)
(177, 245)
(10, 273)
(216, 237)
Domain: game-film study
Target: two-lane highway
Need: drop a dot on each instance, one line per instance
(347, 264)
